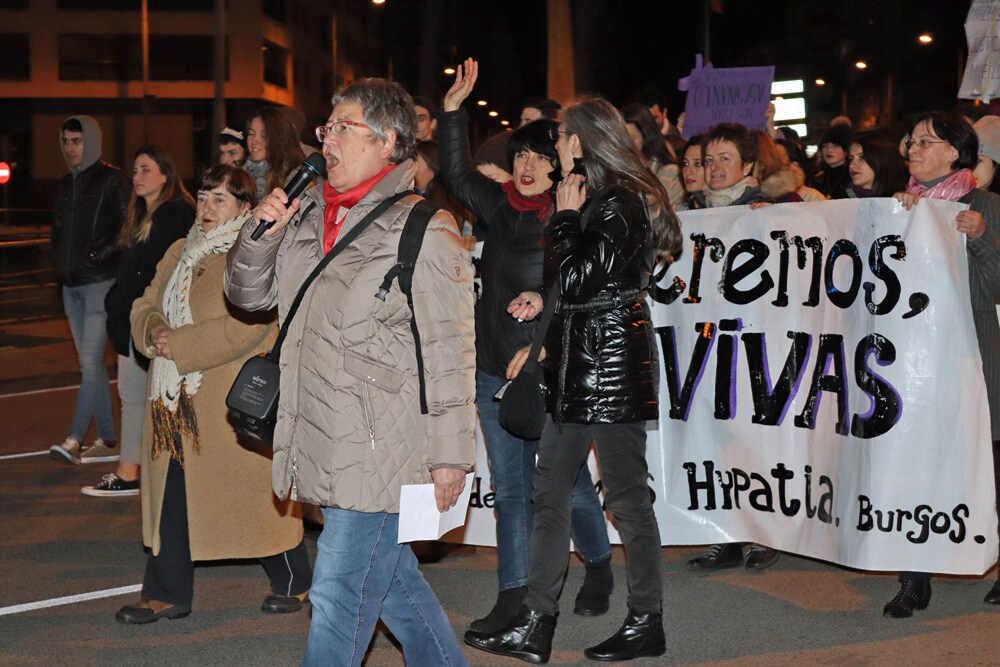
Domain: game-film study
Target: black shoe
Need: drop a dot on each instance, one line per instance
(595, 594)
(284, 604)
(509, 602)
(912, 595)
(993, 597)
(528, 637)
(719, 556)
(641, 635)
(760, 557)
(139, 613)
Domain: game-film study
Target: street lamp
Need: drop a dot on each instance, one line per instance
(493, 114)
(925, 39)
(449, 70)
(820, 82)
(481, 103)
(861, 64)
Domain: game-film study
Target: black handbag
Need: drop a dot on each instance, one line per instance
(522, 406)
(253, 398)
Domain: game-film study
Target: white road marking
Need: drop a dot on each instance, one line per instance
(23, 455)
(70, 599)
(44, 391)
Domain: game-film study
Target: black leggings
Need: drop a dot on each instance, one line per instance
(170, 575)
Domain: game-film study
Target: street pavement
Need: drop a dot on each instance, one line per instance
(55, 542)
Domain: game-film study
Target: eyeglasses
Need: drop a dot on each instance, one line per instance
(921, 143)
(554, 133)
(337, 128)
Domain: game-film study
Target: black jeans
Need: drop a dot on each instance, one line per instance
(926, 576)
(170, 575)
(622, 451)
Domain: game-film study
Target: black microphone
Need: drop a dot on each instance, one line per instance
(311, 169)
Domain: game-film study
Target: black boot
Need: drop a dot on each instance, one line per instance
(719, 556)
(528, 637)
(595, 594)
(913, 594)
(508, 604)
(993, 597)
(641, 635)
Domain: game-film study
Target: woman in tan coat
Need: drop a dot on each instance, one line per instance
(204, 496)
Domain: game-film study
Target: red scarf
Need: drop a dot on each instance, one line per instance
(334, 200)
(541, 203)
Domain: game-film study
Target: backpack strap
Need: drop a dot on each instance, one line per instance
(410, 242)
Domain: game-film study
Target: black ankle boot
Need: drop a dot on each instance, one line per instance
(508, 604)
(913, 594)
(641, 635)
(528, 637)
(595, 594)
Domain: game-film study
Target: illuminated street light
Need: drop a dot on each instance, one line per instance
(505, 122)
(481, 103)
(925, 39)
(861, 64)
(820, 82)
(378, 2)
(449, 70)
(493, 114)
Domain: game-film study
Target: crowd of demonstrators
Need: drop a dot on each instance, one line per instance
(160, 212)
(204, 495)
(88, 214)
(515, 215)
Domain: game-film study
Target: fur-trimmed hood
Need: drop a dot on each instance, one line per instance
(783, 182)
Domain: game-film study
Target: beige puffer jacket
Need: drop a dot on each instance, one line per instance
(349, 430)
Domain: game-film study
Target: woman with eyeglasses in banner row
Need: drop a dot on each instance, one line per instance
(943, 150)
(515, 215)
(612, 215)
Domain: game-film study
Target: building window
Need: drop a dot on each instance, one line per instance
(16, 63)
(119, 57)
(275, 63)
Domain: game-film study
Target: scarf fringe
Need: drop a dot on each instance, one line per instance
(170, 427)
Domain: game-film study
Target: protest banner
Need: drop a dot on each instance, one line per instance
(726, 95)
(981, 79)
(821, 389)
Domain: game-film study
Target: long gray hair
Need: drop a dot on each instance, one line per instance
(610, 158)
(386, 106)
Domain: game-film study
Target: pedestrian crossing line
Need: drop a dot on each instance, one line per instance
(22, 455)
(69, 599)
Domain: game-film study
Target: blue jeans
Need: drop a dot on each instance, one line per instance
(84, 306)
(361, 574)
(512, 469)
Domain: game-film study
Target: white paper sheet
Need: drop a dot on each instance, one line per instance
(419, 518)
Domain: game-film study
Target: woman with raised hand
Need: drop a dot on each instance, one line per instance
(612, 215)
(943, 150)
(515, 215)
(159, 213)
(205, 496)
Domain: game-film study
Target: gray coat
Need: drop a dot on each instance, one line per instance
(349, 430)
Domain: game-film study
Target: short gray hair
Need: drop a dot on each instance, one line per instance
(386, 106)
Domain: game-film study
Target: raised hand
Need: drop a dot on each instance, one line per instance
(465, 78)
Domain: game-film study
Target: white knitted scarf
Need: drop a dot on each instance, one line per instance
(726, 196)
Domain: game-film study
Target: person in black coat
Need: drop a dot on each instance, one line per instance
(515, 215)
(612, 214)
(160, 212)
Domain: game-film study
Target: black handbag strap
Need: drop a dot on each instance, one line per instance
(341, 243)
(536, 343)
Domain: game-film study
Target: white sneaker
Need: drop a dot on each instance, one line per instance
(67, 452)
(101, 451)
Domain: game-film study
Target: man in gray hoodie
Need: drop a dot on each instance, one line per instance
(88, 214)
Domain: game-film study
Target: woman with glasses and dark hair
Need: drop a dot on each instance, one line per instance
(159, 212)
(612, 215)
(943, 150)
(875, 166)
(515, 215)
(648, 140)
(204, 495)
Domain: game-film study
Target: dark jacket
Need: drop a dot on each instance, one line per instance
(833, 181)
(513, 254)
(171, 221)
(87, 218)
(603, 355)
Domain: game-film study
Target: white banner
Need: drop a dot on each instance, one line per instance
(982, 68)
(821, 390)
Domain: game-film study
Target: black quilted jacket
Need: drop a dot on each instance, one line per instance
(602, 359)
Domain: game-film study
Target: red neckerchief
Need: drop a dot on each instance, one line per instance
(541, 203)
(334, 200)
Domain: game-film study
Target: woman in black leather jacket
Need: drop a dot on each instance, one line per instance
(515, 215)
(601, 242)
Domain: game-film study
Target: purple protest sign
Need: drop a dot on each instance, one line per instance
(726, 95)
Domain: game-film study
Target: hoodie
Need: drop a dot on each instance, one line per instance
(87, 216)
